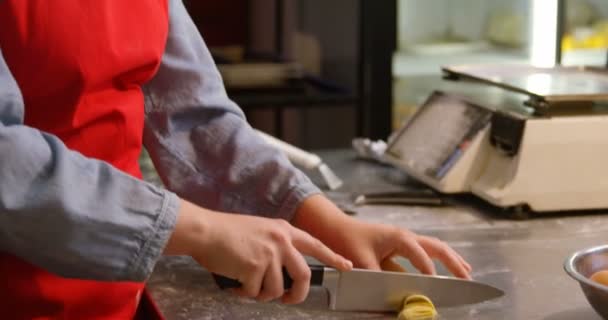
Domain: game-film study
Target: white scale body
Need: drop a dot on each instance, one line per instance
(561, 164)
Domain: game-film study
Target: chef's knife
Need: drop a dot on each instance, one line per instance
(366, 290)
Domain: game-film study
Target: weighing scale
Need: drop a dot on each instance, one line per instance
(549, 155)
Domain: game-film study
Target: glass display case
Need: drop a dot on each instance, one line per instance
(435, 33)
(585, 37)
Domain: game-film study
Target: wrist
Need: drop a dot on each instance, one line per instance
(191, 227)
(321, 218)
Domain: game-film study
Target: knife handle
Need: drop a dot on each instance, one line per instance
(316, 279)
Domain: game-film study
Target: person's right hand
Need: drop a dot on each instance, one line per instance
(252, 250)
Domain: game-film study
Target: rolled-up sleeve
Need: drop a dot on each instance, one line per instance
(71, 215)
(200, 141)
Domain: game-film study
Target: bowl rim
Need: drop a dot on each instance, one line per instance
(569, 267)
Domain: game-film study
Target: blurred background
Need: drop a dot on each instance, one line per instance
(319, 73)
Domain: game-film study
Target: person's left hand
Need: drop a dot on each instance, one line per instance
(368, 245)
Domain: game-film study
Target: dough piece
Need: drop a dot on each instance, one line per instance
(418, 307)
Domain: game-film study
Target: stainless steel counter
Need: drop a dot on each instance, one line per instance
(524, 258)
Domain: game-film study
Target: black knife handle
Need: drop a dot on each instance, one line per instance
(316, 279)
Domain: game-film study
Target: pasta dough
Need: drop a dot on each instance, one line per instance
(418, 307)
(415, 307)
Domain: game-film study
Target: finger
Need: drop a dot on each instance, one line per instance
(409, 248)
(252, 282)
(308, 245)
(465, 263)
(300, 274)
(389, 264)
(450, 258)
(237, 292)
(272, 284)
(440, 250)
(369, 262)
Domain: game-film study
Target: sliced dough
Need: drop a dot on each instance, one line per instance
(418, 307)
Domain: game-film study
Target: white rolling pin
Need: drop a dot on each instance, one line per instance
(307, 160)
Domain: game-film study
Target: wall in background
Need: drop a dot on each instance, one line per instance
(336, 26)
(333, 26)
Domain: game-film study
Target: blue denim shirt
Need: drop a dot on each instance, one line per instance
(80, 217)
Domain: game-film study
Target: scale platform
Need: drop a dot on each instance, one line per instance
(546, 87)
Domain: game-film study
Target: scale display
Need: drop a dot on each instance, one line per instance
(438, 134)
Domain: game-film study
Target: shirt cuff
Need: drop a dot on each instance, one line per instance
(300, 192)
(154, 245)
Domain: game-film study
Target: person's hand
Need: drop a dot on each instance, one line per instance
(252, 250)
(368, 245)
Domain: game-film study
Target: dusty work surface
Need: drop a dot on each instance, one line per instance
(523, 258)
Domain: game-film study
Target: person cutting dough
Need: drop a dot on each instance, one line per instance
(84, 85)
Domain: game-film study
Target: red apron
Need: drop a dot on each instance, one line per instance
(80, 65)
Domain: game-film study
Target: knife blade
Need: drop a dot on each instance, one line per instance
(367, 290)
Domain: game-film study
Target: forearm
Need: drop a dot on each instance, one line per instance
(200, 141)
(320, 217)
